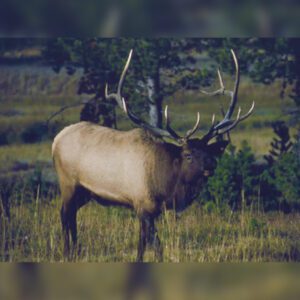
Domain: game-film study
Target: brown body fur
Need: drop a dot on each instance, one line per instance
(119, 167)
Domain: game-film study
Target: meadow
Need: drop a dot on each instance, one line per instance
(33, 233)
(111, 235)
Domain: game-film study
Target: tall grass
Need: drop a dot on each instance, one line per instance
(110, 235)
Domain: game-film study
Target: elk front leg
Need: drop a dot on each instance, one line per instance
(142, 238)
(158, 250)
(148, 234)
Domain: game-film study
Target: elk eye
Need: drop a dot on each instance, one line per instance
(189, 157)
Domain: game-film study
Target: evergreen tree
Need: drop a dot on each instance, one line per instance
(280, 144)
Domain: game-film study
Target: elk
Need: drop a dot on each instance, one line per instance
(147, 169)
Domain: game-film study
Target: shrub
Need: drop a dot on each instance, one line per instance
(280, 181)
(281, 143)
(209, 207)
(287, 175)
(239, 180)
(7, 135)
(233, 179)
(268, 193)
(3, 138)
(35, 132)
(223, 186)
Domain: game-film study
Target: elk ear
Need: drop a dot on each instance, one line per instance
(217, 148)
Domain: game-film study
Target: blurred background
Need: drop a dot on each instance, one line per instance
(163, 281)
(149, 18)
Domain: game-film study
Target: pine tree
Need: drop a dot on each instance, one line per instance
(280, 144)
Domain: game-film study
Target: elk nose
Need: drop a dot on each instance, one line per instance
(207, 173)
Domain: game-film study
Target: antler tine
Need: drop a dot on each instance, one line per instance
(236, 87)
(220, 91)
(190, 132)
(210, 132)
(168, 127)
(217, 92)
(118, 96)
(250, 111)
(238, 119)
(221, 80)
(124, 105)
(213, 119)
(120, 85)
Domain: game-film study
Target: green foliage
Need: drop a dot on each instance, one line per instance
(280, 184)
(36, 132)
(241, 180)
(266, 59)
(222, 187)
(280, 181)
(280, 144)
(256, 225)
(245, 160)
(210, 207)
(32, 132)
(268, 193)
(233, 179)
(287, 174)
(238, 178)
(8, 135)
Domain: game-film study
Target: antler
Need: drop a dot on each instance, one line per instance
(169, 132)
(118, 96)
(227, 124)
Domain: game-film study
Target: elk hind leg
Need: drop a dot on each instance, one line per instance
(68, 192)
(65, 230)
(79, 199)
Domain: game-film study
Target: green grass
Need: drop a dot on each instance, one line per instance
(110, 235)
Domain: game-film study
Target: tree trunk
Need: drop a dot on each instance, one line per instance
(155, 102)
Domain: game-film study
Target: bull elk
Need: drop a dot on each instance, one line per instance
(138, 168)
